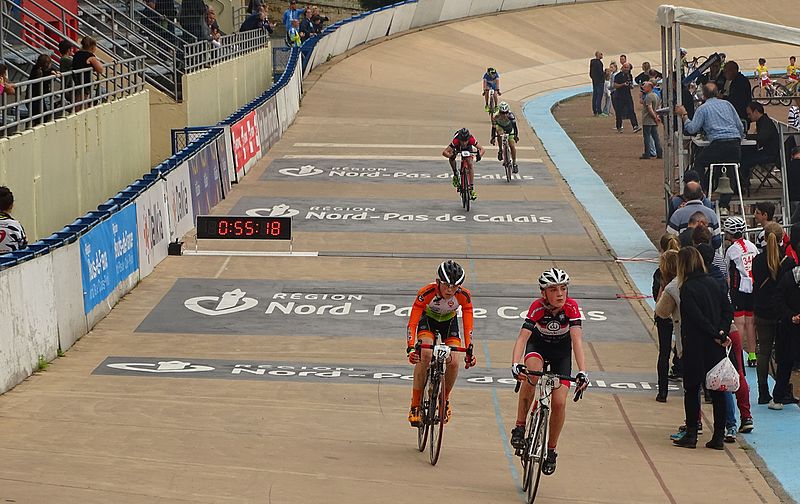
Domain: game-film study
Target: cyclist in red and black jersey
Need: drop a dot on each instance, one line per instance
(550, 334)
(463, 141)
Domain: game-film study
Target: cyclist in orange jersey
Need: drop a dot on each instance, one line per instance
(435, 311)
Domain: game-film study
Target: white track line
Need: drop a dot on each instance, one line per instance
(381, 146)
(410, 158)
(246, 253)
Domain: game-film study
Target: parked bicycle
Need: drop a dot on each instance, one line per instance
(433, 406)
(537, 428)
(771, 92)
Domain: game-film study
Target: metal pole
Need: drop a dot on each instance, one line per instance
(667, 102)
(784, 183)
(679, 100)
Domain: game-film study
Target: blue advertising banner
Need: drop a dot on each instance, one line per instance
(205, 180)
(109, 254)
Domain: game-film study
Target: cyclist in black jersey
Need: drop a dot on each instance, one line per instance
(549, 336)
(505, 121)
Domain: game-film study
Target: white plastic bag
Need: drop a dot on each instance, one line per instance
(724, 376)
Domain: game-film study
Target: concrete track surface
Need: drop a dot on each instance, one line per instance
(236, 412)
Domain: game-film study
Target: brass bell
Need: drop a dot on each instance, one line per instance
(724, 185)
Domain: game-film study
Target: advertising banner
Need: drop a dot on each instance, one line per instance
(205, 180)
(152, 227)
(246, 148)
(181, 211)
(263, 127)
(109, 255)
(272, 121)
(225, 162)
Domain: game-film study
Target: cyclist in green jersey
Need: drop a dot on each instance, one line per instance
(504, 121)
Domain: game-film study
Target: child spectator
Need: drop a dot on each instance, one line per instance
(12, 235)
(6, 86)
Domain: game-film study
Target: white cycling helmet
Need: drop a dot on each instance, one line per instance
(504, 107)
(734, 225)
(553, 276)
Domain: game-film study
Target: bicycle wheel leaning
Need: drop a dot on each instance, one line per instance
(536, 449)
(438, 410)
(424, 413)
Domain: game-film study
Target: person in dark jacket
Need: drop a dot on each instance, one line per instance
(768, 143)
(597, 74)
(793, 181)
(663, 275)
(787, 338)
(737, 89)
(42, 68)
(706, 317)
(766, 267)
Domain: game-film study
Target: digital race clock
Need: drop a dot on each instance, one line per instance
(242, 227)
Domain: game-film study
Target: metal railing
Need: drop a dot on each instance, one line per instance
(48, 98)
(205, 54)
(239, 15)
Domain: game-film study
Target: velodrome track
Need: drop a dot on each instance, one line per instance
(86, 432)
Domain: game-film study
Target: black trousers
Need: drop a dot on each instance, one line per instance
(786, 350)
(691, 406)
(719, 151)
(664, 327)
(623, 108)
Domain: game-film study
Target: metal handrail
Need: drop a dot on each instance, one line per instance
(116, 13)
(205, 54)
(68, 93)
(239, 15)
(41, 37)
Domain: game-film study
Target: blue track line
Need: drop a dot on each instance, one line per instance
(776, 433)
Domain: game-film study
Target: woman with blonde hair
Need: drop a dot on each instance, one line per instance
(668, 317)
(706, 317)
(766, 266)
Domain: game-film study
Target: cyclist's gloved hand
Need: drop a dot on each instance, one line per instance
(493, 141)
(516, 139)
(517, 370)
(582, 380)
(478, 156)
(413, 356)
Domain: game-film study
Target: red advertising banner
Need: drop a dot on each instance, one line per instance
(246, 144)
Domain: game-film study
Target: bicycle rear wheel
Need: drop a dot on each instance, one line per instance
(424, 407)
(438, 410)
(537, 450)
(782, 95)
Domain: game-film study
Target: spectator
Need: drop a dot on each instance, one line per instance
(705, 319)
(85, 59)
(677, 201)
(693, 195)
(714, 261)
(614, 71)
(623, 100)
(258, 21)
(307, 26)
(737, 89)
(214, 31)
(718, 119)
(293, 35)
(598, 77)
(787, 337)
(647, 74)
(318, 20)
(65, 50)
(768, 142)
(793, 181)
(623, 60)
(42, 68)
(766, 267)
(667, 318)
(291, 14)
(12, 235)
(650, 122)
(714, 74)
(192, 18)
(763, 215)
(253, 6)
(698, 219)
(167, 9)
(793, 118)
(608, 86)
(6, 86)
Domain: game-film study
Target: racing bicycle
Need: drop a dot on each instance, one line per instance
(771, 92)
(505, 149)
(464, 167)
(433, 406)
(492, 101)
(537, 428)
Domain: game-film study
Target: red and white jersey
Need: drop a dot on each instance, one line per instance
(740, 257)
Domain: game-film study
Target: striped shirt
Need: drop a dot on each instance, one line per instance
(12, 236)
(794, 117)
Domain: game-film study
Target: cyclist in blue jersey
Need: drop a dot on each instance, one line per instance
(491, 80)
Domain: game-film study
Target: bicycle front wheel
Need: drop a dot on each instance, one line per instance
(438, 410)
(465, 195)
(424, 407)
(507, 161)
(760, 95)
(537, 450)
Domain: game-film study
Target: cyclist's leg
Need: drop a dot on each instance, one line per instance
(425, 335)
(450, 154)
(486, 97)
(533, 361)
(452, 338)
(470, 166)
(558, 403)
(513, 147)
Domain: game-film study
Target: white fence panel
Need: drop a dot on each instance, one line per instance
(427, 13)
(152, 227)
(179, 203)
(522, 4)
(455, 9)
(28, 327)
(479, 7)
(380, 24)
(403, 15)
(360, 31)
(68, 294)
(343, 40)
(283, 113)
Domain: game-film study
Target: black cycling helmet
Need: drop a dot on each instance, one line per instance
(451, 272)
(463, 134)
(491, 71)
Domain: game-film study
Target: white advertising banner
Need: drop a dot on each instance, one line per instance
(360, 31)
(68, 294)
(179, 202)
(152, 227)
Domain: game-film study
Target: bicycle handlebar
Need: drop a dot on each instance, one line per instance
(578, 393)
(467, 350)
